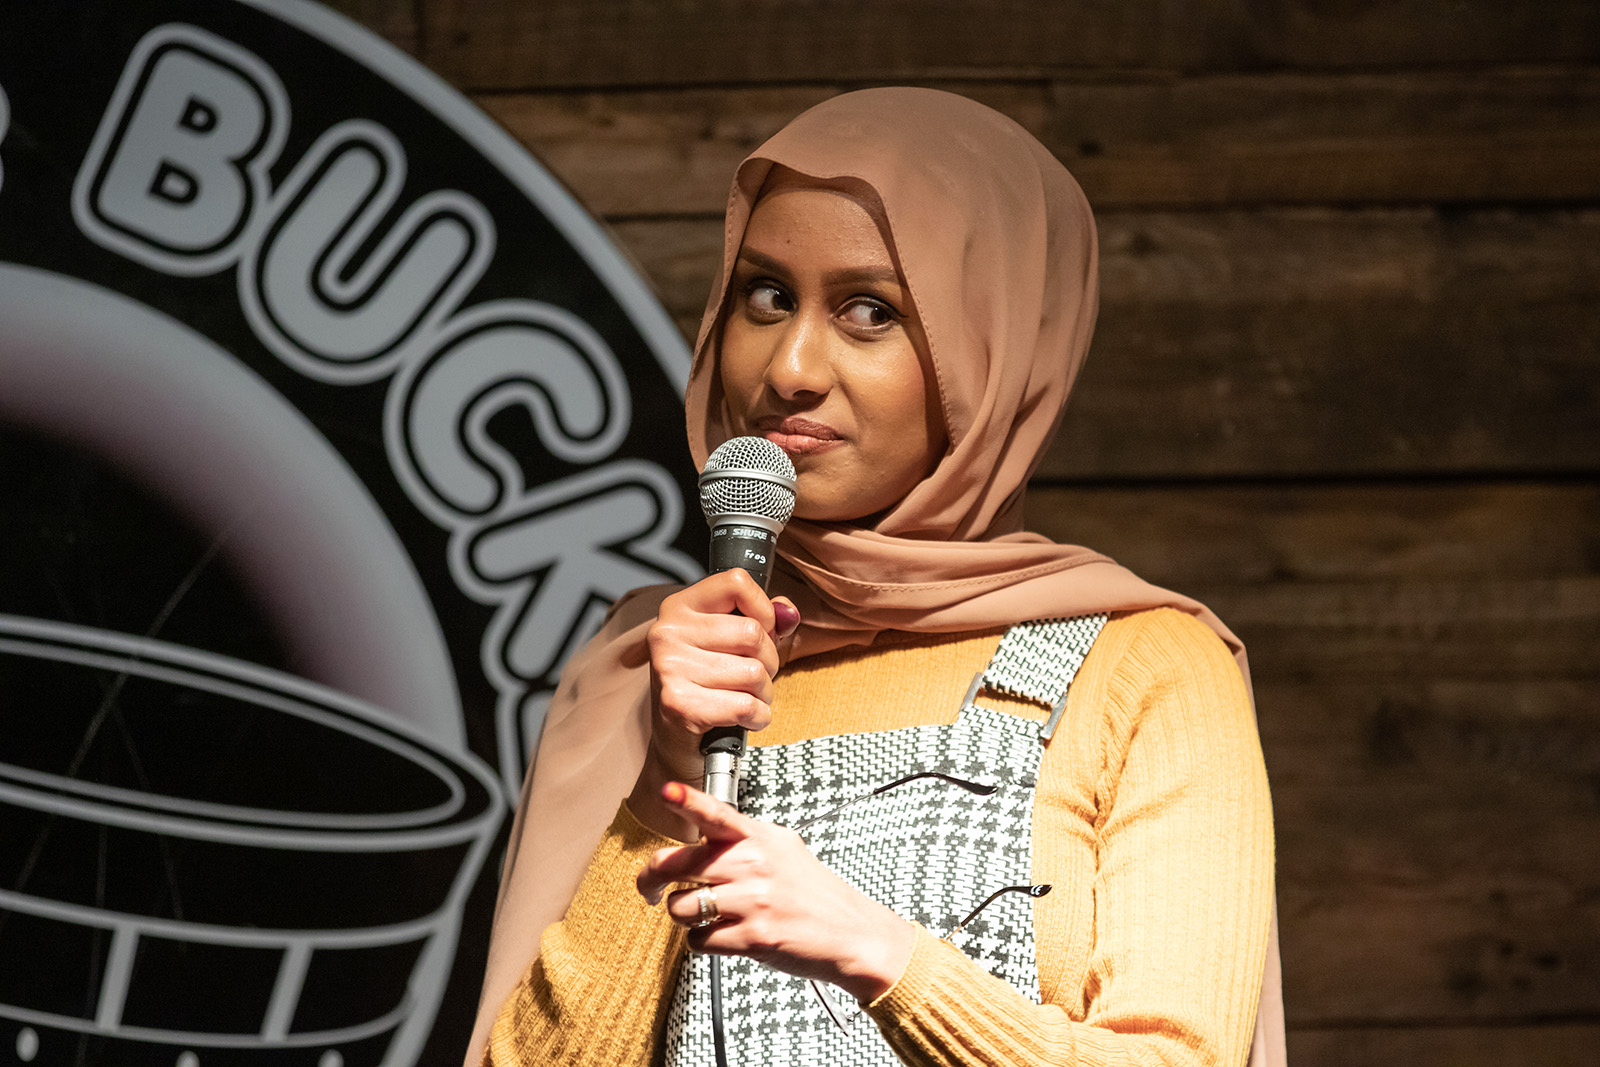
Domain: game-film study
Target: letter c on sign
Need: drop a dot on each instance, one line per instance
(502, 354)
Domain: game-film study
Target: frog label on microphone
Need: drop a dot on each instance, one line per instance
(748, 548)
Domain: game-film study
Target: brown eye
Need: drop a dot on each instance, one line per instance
(870, 316)
(765, 302)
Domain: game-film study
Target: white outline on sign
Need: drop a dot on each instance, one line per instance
(475, 460)
(275, 104)
(585, 235)
(264, 283)
(190, 819)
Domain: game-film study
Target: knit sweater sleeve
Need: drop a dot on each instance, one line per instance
(1182, 868)
(597, 990)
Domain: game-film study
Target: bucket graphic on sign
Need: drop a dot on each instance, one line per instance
(308, 367)
(214, 893)
(203, 860)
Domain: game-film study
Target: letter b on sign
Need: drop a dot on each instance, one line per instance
(178, 165)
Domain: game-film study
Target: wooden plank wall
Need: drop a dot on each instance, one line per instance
(1346, 388)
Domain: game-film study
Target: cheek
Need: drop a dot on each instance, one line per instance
(911, 400)
(738, 371)
(907, 407)
(907, 437)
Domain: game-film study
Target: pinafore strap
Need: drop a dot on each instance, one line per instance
(1037, 661)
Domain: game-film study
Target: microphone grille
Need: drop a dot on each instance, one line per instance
(748, 476)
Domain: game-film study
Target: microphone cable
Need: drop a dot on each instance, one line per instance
(719, 1043)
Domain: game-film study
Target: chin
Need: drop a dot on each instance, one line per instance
(837, 512)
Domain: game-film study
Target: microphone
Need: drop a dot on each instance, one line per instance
(747, 494)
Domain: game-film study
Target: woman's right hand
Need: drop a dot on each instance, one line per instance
(714, 649)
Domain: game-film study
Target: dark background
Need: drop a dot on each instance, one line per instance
(85, 543)
(1345, 388)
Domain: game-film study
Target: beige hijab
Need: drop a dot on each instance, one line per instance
(997, 247)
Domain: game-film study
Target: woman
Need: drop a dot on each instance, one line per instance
(908, 289)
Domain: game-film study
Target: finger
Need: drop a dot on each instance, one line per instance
(683, 905)
(786, 619)
(718, 939)
(704, 669)
(670, 866)
(721, 827)
(732, 635)
(718, 822)
(683, 640)
(730, 591)
(696, 708)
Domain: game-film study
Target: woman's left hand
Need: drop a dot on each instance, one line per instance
(777, 902)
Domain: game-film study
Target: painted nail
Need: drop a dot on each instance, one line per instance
(786, 616)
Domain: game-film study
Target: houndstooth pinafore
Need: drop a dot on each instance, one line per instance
(928, 850)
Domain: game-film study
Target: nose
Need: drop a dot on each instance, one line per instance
(800, 366)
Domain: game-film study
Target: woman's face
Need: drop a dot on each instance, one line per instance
(823, 355)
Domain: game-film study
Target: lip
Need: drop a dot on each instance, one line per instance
(799, 437)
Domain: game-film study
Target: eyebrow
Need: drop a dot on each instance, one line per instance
(848, 276)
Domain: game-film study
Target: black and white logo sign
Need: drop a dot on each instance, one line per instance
(329, 426)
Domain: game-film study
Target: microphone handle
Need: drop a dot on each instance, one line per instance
(752, 548)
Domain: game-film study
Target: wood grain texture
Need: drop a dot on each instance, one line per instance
(673, 152)
(1475, 628)
(1548, 1045)
(582, 43)
(1427, 669)
(1500, 136)
(1437, 846)
(1264, 535)
(1303, 341)
(1366, 581)
(1336, 343)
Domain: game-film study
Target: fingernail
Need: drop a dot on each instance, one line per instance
(787, 616)
(674, 792)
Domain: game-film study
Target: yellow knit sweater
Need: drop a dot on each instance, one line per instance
(1151, 820)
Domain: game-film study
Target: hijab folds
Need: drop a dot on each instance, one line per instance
(997, 247)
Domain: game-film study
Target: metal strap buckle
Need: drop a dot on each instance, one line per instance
(972, 690)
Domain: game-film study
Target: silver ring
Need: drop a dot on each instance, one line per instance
(706, 898)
